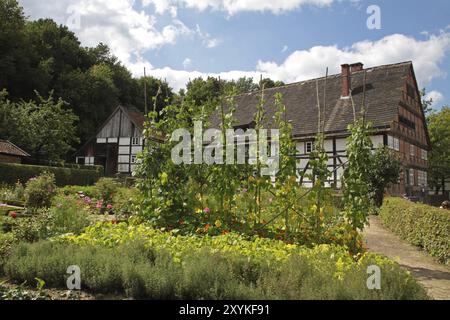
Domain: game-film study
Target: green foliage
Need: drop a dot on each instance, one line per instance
(13, 194)
(439, 156)
(11, 173)
(106, 188)
(420, 225)
(45, 128)
(44, 56)
(66, 216)
(39, 191)
(20, 292)
(356, 193)
(385, 171)
(148, 271)
(6, 243)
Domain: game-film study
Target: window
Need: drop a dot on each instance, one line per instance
(411, 91)
(412, 181)
(135, 141)
(422, 178)
(89, 161)
(309, 146)
(412, 150)
(410, 124)
(133, 158)
(394, 143)
(424, 154)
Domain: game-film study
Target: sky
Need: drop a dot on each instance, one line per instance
(287, 40)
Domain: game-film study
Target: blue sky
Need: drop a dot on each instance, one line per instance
(287, 40)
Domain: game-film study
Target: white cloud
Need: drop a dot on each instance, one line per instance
(234, 6)
(187, 63)
(131, 33)
(206, 38)
(128, 32)
(285, 48)
(436, 98)
(306, 64)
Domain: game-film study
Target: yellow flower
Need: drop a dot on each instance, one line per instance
(218, 223)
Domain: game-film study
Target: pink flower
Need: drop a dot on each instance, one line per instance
(13, 214)
(99, 204)
(206, 210)
(109, 206)
(87, 200)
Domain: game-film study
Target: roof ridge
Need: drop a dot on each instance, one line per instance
(323, 78)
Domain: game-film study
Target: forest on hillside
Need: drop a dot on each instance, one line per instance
(44, 69)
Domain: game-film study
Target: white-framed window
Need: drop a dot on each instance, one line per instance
(412, 150)
(135, 141)
(393, 143)
(309, 146)
(424, 154)
(412, 179)
(89, 161)
(422, 178)
(133, 158)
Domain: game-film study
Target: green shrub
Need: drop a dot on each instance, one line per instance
(420, 225)
(11, 173)
(32, 229)
(124, 200)
(106, 188)
(39, 191)
(6, 241)
(90, 191)
(66, 216)
(144, 270)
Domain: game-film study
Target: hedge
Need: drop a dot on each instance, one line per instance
(11, 173)
(59, 164)
(421, 225)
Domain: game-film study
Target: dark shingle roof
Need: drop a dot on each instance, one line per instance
(7, 147)
(136, 116)
(383, 93)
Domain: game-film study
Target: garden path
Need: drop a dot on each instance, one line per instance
(433, 276)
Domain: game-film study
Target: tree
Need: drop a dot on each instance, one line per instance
(426, 103)
(45, 128)
(439, 157)
(385, 172)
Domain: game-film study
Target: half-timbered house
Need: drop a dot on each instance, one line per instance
(392, 102)
(116, 144)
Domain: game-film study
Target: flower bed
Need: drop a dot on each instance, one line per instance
(145, 263)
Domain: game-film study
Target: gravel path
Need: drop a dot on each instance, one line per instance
(433, 276)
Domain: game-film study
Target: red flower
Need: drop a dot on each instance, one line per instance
(114, 221)
(13, 214)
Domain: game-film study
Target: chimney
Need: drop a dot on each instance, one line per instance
(356, 67)
(345, 81)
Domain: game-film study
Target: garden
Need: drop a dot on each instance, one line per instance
(200, 231)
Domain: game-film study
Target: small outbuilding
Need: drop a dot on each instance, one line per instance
(10, 153)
